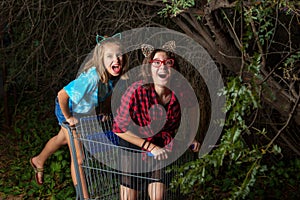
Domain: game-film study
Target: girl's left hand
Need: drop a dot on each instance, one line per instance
(196, 146)
(159, 153)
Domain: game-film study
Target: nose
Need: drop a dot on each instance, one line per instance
(163, 65)
(116, 58)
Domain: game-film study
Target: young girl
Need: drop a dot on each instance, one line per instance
(135, 109)
(81, 96)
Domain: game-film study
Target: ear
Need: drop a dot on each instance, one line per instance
(147, 49)
(169, 46)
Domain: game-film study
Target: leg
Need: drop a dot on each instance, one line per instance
(127, 193)
(156, 190)
(52, 145)
(128, 184)
(80, 161)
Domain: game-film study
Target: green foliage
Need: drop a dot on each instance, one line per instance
(175, 7)
(259, 15)
(290, 67)
(234, 169)
(280, 181)
(32, 130)
(39, 55)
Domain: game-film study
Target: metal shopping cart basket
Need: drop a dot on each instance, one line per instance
(106, 164)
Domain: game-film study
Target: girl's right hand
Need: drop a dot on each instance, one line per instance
(72, 121)
(159, 153)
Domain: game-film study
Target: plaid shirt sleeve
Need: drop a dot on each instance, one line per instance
(123, 118)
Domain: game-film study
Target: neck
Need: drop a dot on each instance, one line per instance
(164, 94)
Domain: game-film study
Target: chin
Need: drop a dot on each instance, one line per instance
(114, 74)
(162, 84)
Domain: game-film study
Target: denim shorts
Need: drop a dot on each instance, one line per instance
(59, 115)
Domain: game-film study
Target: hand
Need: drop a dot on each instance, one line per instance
(72, 121)
(105, 117)
(159, 153)
(196, 146)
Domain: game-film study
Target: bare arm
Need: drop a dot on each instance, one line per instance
(63, 100)
(159, 153)
(132, 138)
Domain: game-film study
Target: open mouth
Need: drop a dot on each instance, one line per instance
(162, 76)
(116, 68)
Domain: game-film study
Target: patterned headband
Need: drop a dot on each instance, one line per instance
(147, 49)
(100, 38)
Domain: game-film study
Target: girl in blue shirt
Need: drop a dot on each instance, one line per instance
(81, 96)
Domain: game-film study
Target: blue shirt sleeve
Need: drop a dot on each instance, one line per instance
(83, 90)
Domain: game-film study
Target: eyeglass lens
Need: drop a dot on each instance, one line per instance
(168, 62)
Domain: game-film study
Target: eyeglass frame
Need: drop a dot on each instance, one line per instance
(162, 62)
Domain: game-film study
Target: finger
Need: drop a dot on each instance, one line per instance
(197, 146)
(104, 118)
(166, 153)
(158, 157)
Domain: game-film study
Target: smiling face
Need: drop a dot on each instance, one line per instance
(113, 59)
(161, 75)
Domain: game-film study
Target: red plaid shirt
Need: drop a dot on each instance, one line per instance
(139, 112)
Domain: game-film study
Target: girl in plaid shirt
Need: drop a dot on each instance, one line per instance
(153, 130)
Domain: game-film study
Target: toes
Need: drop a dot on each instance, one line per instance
(40, 177)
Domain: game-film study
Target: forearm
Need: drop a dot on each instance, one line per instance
(138, 141)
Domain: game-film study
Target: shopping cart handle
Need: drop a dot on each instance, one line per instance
(66, 125)
(150, 154)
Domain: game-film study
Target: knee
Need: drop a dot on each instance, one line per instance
(127, 193)
(156, 197)
(156, 191)
(64, 141)
(60, 140)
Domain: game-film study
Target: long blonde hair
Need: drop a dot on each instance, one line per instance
(98, 56)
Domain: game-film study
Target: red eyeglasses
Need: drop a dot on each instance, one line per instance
(157, 63)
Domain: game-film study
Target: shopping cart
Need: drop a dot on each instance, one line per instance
(106, 164)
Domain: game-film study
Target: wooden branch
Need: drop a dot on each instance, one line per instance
(291, 114)
(218, 4)
(229, 54)
(148, 3)
(295, 148)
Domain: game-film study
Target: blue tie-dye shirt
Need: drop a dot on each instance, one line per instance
(83, 92)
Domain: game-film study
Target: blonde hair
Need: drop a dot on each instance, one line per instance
(98, 56)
